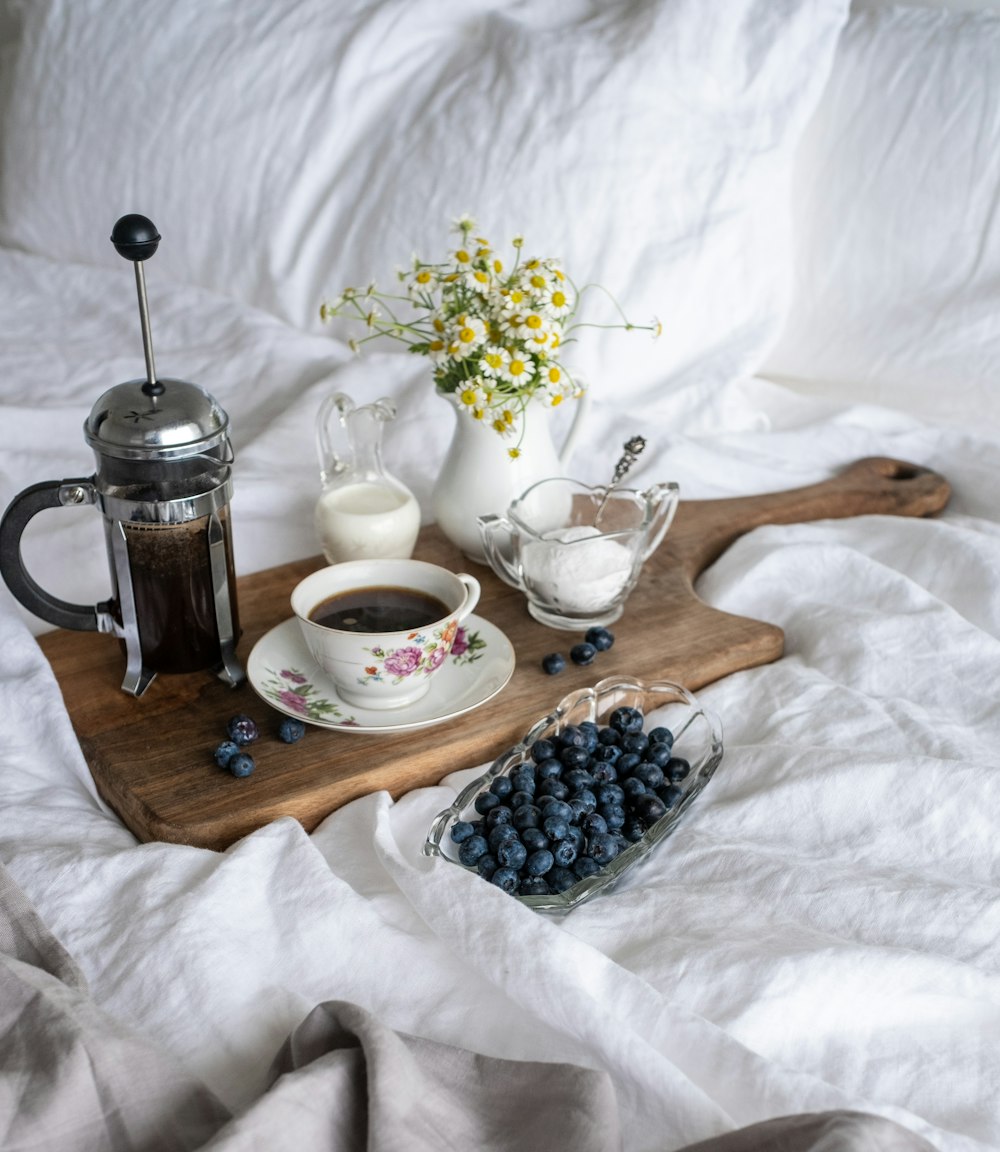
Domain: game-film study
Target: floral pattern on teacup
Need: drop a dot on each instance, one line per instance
(419, 656)
(467, 647)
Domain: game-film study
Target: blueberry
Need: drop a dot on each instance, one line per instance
(677, 768)
(658, 754)
(585, 866)
(523, 778)
(526, 816)
(534, 839)
(555, 827)
(604, 773)
(609, 736)
(549, 769)
(576, 837)
(582, 654)
(614, 815)
(582, 806)
(512, 854)
(290, 730)
(242, 730)
(628, 762)
(625, 720)
(540, 862)
(573, 757)
(542, 750)
(560, 809)
(502, 787)
(225, 752)
(633, 830)
(671, 795)
(506, 879)
(661, 736)
(577, 778)
(632, 786)
(590, 730)
(461, 830)
(535, 886)
(554, 663)
(555, 788)
(559, 879)
(564, 853)
(650, 774)
(610, 794)
(594, 824)
(606, 753)
(500, 835)
(635, 742)
(603, 847)
(600, 637)
(471, 849)
(241, 764)
(650, 808)
(484, 802)
(501, 814)
(486, 865)
(520, 799)
(573, 736)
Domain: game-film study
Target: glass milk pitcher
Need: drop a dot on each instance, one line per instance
(362, 512)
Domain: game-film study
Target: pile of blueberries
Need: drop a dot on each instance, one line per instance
(596, 639)
(580, 799)
(243, 731)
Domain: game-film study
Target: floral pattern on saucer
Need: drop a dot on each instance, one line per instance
(291, 691)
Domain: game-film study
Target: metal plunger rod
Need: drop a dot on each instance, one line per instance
(147, 340)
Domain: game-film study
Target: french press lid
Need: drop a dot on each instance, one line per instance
(152, 419)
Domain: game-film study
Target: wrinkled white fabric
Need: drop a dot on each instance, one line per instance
(819, 933)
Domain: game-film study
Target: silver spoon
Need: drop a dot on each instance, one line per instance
(633, 450)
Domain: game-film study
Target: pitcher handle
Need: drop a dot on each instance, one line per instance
(582, 408)
(665, 497)
(26, 505)
(490, 528)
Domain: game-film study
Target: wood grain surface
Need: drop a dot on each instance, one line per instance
(152, 761)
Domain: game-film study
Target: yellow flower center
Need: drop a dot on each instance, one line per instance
(468, 396)
(516, 296)
(462, 256)
(538, 281)
(513, 453)
(498, 266)
(558, 299)
(423, 277)
(482, 277)
(436, 345)
(438, 325)
(554, 375)
(516, 367)
(467, 335)
(556, 400)
(494, 359)
(534, 321)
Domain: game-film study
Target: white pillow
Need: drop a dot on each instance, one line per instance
(287, 149)
(897, 295)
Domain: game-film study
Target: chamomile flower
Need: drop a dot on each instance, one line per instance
(466, 335)
(493, 360)
(555, 300)
(519, 369)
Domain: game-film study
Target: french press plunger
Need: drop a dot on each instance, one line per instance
(163, 484)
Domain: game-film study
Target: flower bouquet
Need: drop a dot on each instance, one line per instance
(494, 333)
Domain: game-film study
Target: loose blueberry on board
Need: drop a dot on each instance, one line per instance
(243, 730)
(225, 752)
(290, 730)
(582, 654)
(554, 663)
(241, 764)
(601, 638)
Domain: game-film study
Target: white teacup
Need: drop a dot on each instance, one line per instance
(390, 625)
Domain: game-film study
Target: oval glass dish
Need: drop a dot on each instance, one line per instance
(697, 736)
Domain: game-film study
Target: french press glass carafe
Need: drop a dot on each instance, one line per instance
(163, 484)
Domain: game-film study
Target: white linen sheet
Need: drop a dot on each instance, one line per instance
(821, 931)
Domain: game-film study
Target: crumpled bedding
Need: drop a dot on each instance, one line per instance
(819, 934)
(71, 1078)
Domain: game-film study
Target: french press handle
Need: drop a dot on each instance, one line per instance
(26, 505)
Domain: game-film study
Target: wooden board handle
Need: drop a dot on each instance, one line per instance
(703, 529)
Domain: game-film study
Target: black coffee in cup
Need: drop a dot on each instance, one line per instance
(379, 609)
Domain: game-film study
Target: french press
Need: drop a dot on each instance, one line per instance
(163, 484)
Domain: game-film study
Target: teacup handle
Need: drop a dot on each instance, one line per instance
(665, 498)
(472, 593)
(490, 528)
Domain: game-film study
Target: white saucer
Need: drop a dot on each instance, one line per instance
(283, 672)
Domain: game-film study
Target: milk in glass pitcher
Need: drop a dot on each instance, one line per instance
(362, 511)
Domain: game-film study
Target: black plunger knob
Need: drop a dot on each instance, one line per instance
(135, 237)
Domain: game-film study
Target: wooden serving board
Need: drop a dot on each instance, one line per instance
(152, 758)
